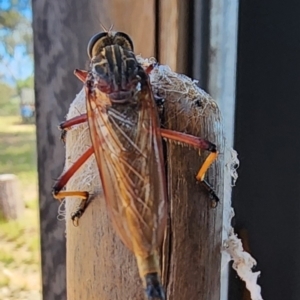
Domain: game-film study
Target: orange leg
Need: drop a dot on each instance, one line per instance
(63, 180)
(165, 133)
(200, 144)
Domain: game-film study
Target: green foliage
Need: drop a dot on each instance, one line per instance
(11, 108)
(9, 19)
(17, 148)
(4, 281)
(10, 97)
(6, 258)
(20, 234)
(25, 83)
(15, 29)
(6, 92)
(8, 104)
(15, 32)
(10, 231)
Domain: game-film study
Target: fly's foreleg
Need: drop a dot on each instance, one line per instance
(65, 126)
(200, 144)
(65, 177)
(63, 180)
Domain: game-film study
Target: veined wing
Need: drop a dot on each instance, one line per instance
(130, 161)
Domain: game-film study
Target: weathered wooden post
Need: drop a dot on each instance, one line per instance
(192, 250)
(98, 264)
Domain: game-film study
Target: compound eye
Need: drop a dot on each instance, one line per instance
(96, 39)
(123, 40)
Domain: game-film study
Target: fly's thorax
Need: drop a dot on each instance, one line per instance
(124, 118)
(116, 72)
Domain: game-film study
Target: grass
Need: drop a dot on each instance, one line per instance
(18, 151)
(19, 239)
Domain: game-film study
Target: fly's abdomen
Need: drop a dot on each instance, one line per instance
(154, 289)
(149, 270)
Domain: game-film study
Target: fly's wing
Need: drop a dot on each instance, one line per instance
(130, 162)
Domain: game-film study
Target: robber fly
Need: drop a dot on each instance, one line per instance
(127, 142)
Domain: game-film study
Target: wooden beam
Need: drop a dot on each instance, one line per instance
(136, 18)
(173, 34)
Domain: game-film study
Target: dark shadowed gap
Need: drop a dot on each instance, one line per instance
(267, 196)
(199, 11)
(156, 29)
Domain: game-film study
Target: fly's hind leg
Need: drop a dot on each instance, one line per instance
(206, 165)
(213, 196)
(63, 180)
(198, 143)
(82, 206)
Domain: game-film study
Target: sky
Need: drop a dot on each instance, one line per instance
(20, 66)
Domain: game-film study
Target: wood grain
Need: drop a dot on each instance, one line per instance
(173, 34)
(99, 265)
(192, 249)
(136, 18)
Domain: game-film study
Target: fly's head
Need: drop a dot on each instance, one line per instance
(115, 69)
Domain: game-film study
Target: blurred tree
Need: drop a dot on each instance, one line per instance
(15, 26)
(11, 95)
(24, 83)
